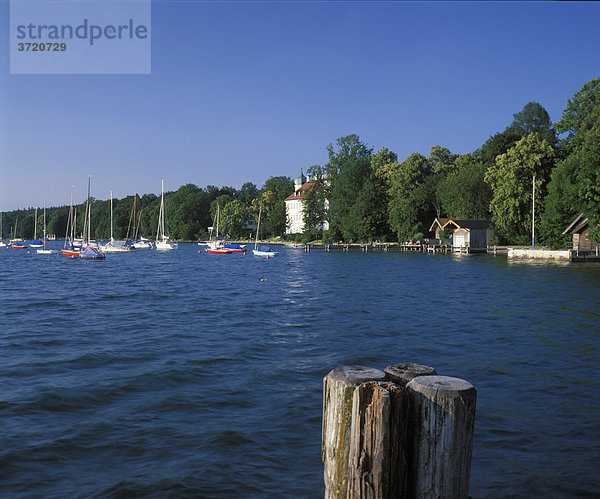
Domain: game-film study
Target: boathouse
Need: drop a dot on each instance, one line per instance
(580, 229)
(468, 236)
(437, 225)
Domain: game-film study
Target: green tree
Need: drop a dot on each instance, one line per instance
(248, 192)
(580, 115)
(348, 167)
(533, 118)
(407, 197)
(575, 183)
(274, 222)
(511, 183)
(464, 194)
(314, 211)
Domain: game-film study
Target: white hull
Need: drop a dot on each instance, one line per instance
(44, 252)
(264, 253)
(165, 245)
(142, 245)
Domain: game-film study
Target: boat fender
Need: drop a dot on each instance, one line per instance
(268, 257)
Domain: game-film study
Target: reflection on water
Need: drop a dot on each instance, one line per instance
(190, 374)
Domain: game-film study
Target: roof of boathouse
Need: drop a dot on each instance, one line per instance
(469, 224)
(577, 225)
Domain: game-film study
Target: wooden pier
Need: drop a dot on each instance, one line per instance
(378, 247)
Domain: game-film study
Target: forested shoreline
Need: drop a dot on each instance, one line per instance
(373, 196)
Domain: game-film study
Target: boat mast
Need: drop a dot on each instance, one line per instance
(89, 211)
(44, 220)
(258, 226)
(111, 217)
(161, 224)
(533, 217)
(35, 225)
(134, 234)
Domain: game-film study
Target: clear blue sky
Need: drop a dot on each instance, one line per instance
(241, 91)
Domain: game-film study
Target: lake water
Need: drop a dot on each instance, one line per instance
(182, 374)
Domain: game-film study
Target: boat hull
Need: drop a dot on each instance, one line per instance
(218, 251)
(264, 253)
(164, 246)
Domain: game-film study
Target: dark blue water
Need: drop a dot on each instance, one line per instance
(178, 374)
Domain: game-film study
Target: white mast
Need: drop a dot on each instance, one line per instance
(533, 217)
(44, 220)
(258, 226)
(111, 217)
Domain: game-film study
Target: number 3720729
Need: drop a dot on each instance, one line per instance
(41, 47)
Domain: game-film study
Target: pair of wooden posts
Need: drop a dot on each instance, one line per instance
(400, 433)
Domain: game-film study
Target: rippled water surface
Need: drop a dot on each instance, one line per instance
(184, 374)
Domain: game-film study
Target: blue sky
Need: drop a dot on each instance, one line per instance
(241, 91)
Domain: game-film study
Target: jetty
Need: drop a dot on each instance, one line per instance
(422, 247)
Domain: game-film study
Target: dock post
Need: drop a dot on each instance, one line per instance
(338, 390)
(402, 433)
(442, 418)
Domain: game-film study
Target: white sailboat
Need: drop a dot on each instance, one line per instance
(142, 242)
(90, 251)
(263, 249)
(216, 247)
(44, 251)
(36, 243)
(162, 239)
(114, 245)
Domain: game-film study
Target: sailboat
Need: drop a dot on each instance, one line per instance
(70, 248)
(2, 243)
(17, 242)
(44, 251)
(91, 250)
(162, 239)
(142, 242)
(36, 243)
(263, 249)
(217, 247)
(114, 246)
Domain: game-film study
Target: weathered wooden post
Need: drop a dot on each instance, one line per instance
(442, 418)
(410, 435)
(338, 391)
(403, 373)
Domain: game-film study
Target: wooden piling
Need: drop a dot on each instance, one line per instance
(442, 417)
(408, 435)
(403, 373)
(338, 391)
(378, 436)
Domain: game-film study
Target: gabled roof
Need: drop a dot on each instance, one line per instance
(298, 193)
(439, 222)
(576, 225)
(469, 224)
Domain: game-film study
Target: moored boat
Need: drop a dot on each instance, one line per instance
(262, 250)
(114, 245)
(44, 250)
(162, 239)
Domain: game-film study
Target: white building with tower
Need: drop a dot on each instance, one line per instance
(294, 205)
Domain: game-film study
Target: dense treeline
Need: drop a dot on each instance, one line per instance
(190, 211)
(372, 195)
(367, 195)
